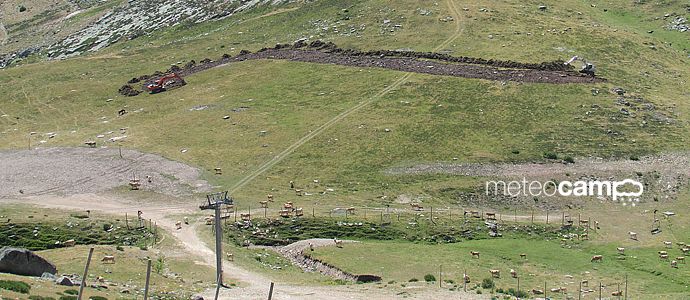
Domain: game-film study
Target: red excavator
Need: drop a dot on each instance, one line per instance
(164, 83)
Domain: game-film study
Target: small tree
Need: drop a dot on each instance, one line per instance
(429, 278)
(22, 8)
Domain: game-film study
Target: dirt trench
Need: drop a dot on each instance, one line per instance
(555, 72)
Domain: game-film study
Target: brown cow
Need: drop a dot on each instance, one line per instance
(598, 258)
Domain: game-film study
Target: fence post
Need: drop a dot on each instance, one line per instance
(270, 292)
(626, 287)
(148, 277)
(86, 272)
(599, 290)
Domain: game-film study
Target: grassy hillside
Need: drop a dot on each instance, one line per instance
(378, 119)
(430, 118)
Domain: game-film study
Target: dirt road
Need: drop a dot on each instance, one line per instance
(53, 189)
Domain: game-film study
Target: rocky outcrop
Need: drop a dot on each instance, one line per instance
(24, 262)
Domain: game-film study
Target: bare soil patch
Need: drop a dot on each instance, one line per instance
(555, 72)
(70, 171)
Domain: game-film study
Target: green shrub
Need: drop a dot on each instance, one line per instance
(519, 294)
(97, 298)
(15, 286)
(429, 278)
(413, 280)
(634, 157)
(22, 8)
(69, 297)
(34, 297)
(569, 159)
(71, 292)
(487, 283)
(159, 264)
(550, 155)
(515, 151)
(119, 248)
(479, 291)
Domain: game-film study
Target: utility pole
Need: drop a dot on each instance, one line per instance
(86, 272)
(215, 201)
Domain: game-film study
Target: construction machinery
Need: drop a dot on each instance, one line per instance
(587, 68)
(166, 82)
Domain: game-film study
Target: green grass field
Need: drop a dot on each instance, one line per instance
(430, 118)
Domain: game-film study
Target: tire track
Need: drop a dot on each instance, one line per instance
(282, 155)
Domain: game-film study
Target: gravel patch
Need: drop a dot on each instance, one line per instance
(69, 171)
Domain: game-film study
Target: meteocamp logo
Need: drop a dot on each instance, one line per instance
(581, 188)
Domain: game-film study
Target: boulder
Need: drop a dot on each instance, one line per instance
(66, 281)
(24, 262)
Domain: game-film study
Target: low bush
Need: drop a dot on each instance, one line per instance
(15, 286)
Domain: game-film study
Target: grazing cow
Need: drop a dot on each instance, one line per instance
(537, 292)
(513, 273)
(284, 213)
(668, 244)
(475, 254)
(523, 255)
(298, 192)
(633, 235)
(598, 258)
(681, 259)
(674, 264)
(350, 210)
(495, 273)
(621, 250)
(416, 206)
(662, 252)
(186, 220)
(466, 278)
(149, 179)
(584, 223)
(685, 250)
(292, 184)
(108, 259)
(338, 243)
(231, 257)
(91, 144)
(209, 220)
(288, 206)
(617, 293)
(299, 212)
(663, 256)
(121, 112)
(491, 216)
(270, 197)
(264, 204)
(585, 282)
(311, 247)
(69, 243)
(584, 236)
(558, 290)
(100, 279)
(178, 225)
(245, 216)
(596, 225)
(219, 171)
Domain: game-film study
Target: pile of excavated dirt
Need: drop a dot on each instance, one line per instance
(407, 61)
(128, 90)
